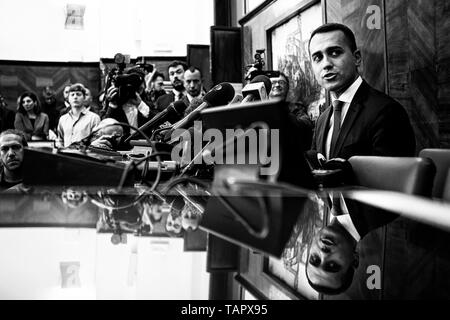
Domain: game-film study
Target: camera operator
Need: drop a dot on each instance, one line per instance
(125, 103)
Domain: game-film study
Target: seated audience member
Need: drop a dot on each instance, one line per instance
(65, 107)
(125, 103)
(6, 116)
(79, 122)
(89, 102)
(49, 108)
(30, 119)
(280, 90)
(12, 143)
(298, 115)
(176, 75)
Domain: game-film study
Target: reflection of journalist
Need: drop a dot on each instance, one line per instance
(361, 121)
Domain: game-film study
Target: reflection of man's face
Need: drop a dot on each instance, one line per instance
(333, 62)
(331, 255)
(11, 151)
(279, 87)
(190, 217)
(193, 82)
(173, 223)
(176, 75)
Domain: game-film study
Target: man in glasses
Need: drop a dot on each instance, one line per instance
(280, 90)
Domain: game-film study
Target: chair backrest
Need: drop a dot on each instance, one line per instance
(441, 159)
(446, 192)
(407, 175)
(388, 246)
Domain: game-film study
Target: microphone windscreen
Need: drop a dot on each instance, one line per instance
(265, 80)
(179, 106)
(176, 111)
(220, 95)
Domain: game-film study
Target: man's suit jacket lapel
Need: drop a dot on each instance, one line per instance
(352, 114)
(185, 99)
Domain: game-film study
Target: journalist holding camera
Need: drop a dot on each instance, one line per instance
(124, 101)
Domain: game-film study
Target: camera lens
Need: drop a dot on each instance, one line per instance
(257, 56)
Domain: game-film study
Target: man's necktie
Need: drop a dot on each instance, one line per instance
(337, 109)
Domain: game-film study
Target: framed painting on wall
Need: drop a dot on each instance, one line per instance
(288, 53)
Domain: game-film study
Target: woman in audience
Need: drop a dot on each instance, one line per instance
(30, 119)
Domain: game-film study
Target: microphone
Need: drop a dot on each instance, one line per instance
(220, 95)
(172, 113)
(257, 89)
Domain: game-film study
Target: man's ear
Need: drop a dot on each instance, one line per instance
(358, 57)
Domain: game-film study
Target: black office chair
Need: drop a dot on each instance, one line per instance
(388, 247)
(408, 175)
(446, 192)
(441, 159)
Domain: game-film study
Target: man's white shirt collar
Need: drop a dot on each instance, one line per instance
(349, 94)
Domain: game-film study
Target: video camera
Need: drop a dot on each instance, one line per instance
(256, 68)
(147, 67)
(127, 83)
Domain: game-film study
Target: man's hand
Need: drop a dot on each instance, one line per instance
(112, 94)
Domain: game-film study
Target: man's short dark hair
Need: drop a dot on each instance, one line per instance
(156, 75)
(17, 133)
(329, 27)
(78, 87)
(346, 282)
(192, 69)
(178, 63)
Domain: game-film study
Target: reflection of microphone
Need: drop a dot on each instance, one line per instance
(257, 89)
(236, 100)
(172, 113)
(220, 95)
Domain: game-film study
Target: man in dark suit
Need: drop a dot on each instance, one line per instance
(362, 120)
(176, 75)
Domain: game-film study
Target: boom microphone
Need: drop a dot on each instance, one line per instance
(257, 89)
(172, 113)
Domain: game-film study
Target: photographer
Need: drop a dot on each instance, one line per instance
(124, 99)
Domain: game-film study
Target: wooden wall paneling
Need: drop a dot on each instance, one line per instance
(19, 76)
(226, 53)
(199, 56)
(354, 14)
(411, 56)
